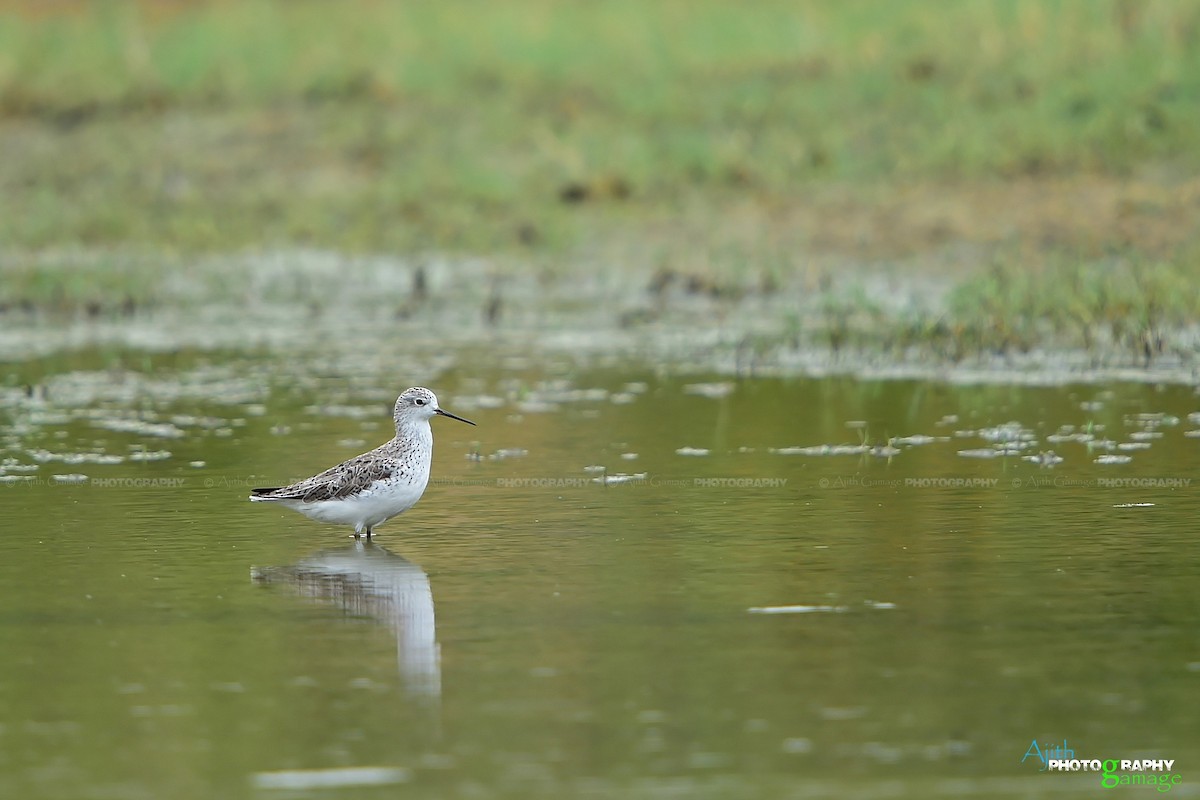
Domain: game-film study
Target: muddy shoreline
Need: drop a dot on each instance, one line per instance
(868, 323)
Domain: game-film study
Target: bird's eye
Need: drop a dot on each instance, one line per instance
(420, 401)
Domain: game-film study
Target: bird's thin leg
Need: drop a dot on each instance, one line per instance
(368, 532)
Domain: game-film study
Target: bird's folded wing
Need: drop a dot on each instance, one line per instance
(346, 479)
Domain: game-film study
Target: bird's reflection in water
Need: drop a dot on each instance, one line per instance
(369, 580)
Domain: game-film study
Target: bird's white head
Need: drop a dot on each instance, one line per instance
(418, 403)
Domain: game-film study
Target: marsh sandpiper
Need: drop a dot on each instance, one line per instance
(370, 489)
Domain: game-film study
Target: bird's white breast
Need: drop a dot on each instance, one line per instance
(379, 502)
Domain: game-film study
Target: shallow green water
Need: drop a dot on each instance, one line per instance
(527, 631)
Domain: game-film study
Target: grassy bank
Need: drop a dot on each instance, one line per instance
(655, 93)
(378, 125)
(769, 146)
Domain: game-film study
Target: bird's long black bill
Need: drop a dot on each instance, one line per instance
(445, 413)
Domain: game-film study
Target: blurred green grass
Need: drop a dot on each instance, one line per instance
(662, 91)
(465, 124)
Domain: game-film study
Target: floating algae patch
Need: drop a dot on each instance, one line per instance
(129, 387)
(820, 609)
(163, 430)
(1046, 459)
(981, 452)
(916, 440)
(507, 453)
(1010, 434)
(149, 455)
(299, 780)
(76, 458)
(617, 478)
(799, 609)
(714, 391)
(822, 450)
